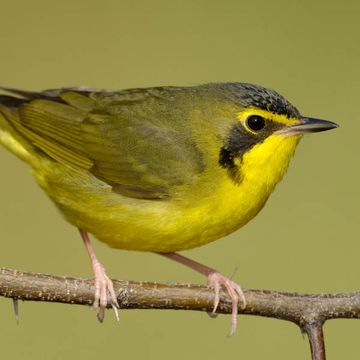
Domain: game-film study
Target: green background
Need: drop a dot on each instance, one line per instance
(306, 239)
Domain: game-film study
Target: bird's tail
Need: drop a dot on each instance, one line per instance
(10, 138)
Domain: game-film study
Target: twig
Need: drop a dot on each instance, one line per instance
(306, 310)
(316, 339)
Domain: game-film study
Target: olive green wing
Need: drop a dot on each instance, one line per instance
(127, 139)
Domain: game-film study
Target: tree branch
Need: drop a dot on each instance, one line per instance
(316, 339)
(306, 310)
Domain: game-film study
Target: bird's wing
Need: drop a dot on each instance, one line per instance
(128, 139)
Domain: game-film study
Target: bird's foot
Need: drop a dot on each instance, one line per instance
(215, 281)
(103, 285)
(103, 288)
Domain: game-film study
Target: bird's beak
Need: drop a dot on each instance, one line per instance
(308, 125)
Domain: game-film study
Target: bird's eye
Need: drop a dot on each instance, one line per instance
(255, 122)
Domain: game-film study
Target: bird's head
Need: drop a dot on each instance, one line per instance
(265, 133)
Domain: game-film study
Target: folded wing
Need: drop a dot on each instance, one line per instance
(129, 140)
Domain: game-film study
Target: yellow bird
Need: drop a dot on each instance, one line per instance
(160, 169)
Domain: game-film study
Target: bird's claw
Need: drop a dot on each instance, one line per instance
(215, 281)
(103, 288)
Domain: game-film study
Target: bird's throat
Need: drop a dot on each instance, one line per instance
(264, 165)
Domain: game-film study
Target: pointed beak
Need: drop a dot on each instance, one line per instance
(308, 125)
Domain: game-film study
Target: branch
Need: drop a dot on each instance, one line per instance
(316, 339)
(306, 310)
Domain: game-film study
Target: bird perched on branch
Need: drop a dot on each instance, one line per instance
(159, 169)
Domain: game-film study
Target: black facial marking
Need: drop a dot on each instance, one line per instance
(241, 140)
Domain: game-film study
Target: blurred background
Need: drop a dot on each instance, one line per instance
(306, 239)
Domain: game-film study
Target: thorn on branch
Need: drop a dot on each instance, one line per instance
(16, 309)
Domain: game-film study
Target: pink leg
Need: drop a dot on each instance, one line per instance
(215, 281)
(103, 285)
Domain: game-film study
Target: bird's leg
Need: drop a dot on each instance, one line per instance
(103, 285)
(215, 281)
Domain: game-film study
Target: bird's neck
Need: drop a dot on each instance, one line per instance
(233, 203)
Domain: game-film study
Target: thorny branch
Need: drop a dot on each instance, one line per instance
(307, 311)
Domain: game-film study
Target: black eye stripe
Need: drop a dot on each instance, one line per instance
(255, 122)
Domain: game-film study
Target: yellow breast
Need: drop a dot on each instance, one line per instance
(209, 209)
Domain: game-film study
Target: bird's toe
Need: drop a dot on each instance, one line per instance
(215, 281)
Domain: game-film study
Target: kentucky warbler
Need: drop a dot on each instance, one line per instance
(159, 169)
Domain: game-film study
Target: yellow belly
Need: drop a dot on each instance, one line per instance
(205, 211)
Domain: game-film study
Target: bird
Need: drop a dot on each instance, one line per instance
(160, 169)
